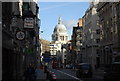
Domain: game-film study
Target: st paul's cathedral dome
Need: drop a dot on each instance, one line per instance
(60, 32)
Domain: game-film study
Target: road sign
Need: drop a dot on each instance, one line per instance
(28, 23)
(20, 35)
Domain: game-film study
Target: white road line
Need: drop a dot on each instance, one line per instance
(69, 75)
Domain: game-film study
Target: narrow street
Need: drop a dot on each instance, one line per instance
(55, 40)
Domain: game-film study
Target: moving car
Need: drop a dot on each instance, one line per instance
(84, 70)
(112, 72)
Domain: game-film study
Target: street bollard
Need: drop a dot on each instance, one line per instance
(53, 76)
(50, 76)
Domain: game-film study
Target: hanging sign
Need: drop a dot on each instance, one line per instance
(28, 22)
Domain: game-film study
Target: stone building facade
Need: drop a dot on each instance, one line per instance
(91, 34)
(20, 44)
(76, 43)
(109, 22)
(45, 47)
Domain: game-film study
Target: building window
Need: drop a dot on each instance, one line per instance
(97, 52)
(65, 60)
(56, 38)
(66, 38)
(80, 41)
(97, 40)
(26, 6)
(64, 55)
(98, 31)
(80, 34)
(62, 38)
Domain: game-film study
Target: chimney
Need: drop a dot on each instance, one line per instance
(80, 22)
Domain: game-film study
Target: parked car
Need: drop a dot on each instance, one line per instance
(84, 70)
(69, 66)
(112, 72)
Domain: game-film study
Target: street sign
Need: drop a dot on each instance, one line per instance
(20, 35)
(28, 23)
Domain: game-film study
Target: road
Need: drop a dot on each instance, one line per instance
(70, 75)
(67, 75)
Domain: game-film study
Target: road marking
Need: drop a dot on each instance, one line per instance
(69, 75)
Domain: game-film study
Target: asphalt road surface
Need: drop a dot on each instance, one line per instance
(70, 75)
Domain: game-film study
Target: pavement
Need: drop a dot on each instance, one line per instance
(98, 73)
(40, 75)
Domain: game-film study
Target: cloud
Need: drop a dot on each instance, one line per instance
(70, 23)
(55, 6)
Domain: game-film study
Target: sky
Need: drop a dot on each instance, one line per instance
(70, 12)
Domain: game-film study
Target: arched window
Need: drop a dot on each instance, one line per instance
(66, 38)
(62, 38)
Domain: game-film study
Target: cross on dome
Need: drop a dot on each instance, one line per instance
(60, 20)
